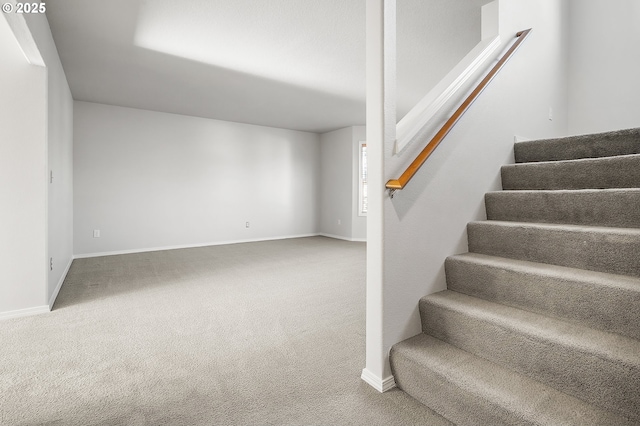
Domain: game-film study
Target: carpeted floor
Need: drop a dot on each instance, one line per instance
(268, 333)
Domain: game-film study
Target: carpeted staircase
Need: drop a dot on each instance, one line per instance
(540, 323)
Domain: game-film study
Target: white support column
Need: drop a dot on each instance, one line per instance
(381, 129)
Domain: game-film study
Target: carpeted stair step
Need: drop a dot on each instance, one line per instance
(598, 367)
(591, 173)
(541, 320)
(469, 390)
(602, 301)
(600, 207)
(608, 144)
(603, 249)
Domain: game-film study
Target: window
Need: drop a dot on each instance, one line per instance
(362, 180)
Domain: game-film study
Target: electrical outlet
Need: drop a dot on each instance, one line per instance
(96, 233)
(51, 263)
(246, 225)
(550, 114)
(339, 222)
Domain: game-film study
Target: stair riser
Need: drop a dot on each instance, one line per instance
(472, 391)
(434, 390)
(590, 377)
(608, 144)
(590, 303)
(596, 250)
(616, 172)
(617, 208)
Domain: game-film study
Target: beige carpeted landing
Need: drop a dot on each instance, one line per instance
(268, 333)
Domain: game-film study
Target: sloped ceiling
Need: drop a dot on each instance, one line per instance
(295, 64)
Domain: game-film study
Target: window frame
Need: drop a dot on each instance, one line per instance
(362, 179)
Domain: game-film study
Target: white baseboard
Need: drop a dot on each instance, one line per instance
(54, 296)
(379, 384)
(340, 237)
(183, 246)
(24, 312)
(38, 309)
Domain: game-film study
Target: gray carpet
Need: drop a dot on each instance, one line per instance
(541, 319)
(268, 333)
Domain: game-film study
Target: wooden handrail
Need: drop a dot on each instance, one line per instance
(395, 184)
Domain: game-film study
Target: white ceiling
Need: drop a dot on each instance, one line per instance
(296, 64)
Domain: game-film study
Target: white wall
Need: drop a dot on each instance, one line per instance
(604, 65)
(23, 165)
(151, 180)
(432, 36)
(60, 156)
(336, 193)
(339, 203)
(426, 222)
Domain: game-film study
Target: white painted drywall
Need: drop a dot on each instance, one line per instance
(380, 132)
(336, 193)
(426, 222)
(359, 223)
(339, 165)
(604, 65)
(60, 156)
(23, 164)
(150, 180)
